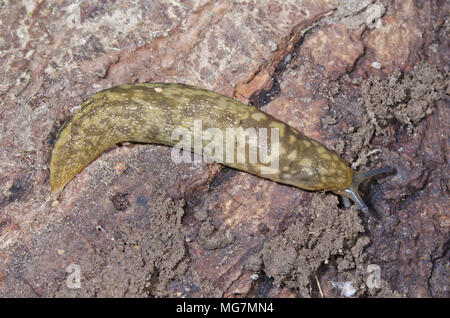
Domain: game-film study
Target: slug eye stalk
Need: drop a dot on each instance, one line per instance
(351, 192)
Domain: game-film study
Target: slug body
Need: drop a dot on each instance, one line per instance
(149, 113)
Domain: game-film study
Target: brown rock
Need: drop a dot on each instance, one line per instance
(334, 49)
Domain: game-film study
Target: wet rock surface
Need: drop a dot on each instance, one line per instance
(368, 79)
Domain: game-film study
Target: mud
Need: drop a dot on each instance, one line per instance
(143, 258)
(406, 97)
(325, 239)
(400, 100)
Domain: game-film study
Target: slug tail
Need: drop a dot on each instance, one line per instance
(351, 192)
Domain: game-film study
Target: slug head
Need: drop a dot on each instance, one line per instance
(351, 192)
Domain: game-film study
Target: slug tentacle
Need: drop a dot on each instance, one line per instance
(351, 192)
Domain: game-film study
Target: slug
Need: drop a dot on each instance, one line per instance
(149, 113)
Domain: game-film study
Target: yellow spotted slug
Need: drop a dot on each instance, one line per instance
(149, 113)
